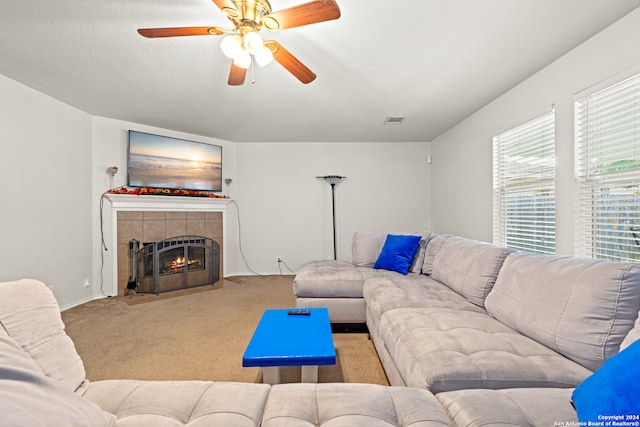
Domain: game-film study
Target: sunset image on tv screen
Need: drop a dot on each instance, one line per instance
(157, 161)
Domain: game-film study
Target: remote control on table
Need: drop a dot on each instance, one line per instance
(299, 312)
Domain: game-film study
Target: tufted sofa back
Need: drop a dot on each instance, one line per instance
(581, 308)
(467, 266)
(30, 315)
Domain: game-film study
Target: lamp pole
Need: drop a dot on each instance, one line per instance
(333, 180)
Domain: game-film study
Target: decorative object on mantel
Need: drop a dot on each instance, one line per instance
(143, 191)
(111, 171)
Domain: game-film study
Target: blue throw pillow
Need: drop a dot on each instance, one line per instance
(397, 253)
(612, 392)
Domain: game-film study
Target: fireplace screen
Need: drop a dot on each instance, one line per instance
(178, 263)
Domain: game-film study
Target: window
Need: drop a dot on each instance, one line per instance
(607, 167)
(524, 214)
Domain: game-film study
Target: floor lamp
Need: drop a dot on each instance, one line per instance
(333, 180)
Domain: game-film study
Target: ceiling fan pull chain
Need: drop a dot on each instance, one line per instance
(252, 67)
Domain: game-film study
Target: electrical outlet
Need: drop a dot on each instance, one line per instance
(279, 259)
(86, 283)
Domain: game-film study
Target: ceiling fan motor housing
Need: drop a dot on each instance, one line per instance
(248, 12)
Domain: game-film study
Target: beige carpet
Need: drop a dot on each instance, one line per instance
(199, 334)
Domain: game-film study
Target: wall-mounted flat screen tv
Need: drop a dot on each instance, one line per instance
(156, 161)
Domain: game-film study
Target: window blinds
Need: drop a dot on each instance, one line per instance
(524, 187)
(607, 168)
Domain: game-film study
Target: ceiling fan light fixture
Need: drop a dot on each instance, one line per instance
(231, 46)
(253, 42)
(242, 59)
(264, 56)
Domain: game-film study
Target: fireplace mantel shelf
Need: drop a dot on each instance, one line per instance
(166, 203)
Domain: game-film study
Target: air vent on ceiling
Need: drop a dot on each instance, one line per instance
(394, 120)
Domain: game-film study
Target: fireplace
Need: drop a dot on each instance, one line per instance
(175, 263)
(152, 219)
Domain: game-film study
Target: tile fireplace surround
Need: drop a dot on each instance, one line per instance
(154, 218)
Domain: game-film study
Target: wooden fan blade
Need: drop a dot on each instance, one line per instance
(180, 31)
(228, 8)
(290, 62)
(303, 14)
(222, 4)
(237, 75)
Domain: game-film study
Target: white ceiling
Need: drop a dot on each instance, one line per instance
(433, 61)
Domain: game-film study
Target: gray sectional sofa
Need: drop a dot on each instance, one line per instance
(499, 337)
(474, 335)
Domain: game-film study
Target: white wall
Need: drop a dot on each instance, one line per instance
(462, 157)
(45, 192)
(285, 211)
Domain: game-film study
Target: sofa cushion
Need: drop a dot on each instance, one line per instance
(433, 247)
(351, 405)
(382, 294)
(30, 315)
(469, 267)
(334, 279)
(30, 398)
(581, 308)
(367, 245)
(445, 349)
(418, 258)
(529, 407)
(612, 390)
(181, 403)
(397, 253)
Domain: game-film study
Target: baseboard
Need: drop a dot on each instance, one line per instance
(82, 301)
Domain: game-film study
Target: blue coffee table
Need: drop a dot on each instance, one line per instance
(281, 339)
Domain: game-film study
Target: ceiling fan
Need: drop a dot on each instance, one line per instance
(243, 43)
